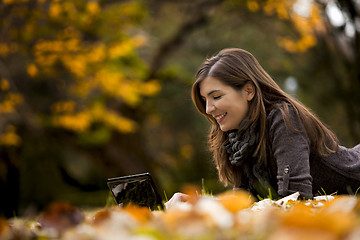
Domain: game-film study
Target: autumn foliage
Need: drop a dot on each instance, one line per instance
(210, 217)
(83, 51)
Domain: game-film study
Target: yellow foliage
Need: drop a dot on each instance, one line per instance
(83, 87)
(130, 8)
(302, 24)
(93, 8)
(55, 10)
(306, 26)
(82, 58)
(76, 122)
(11, 100)
(70, 32)
(112, 119)
(4, 49)
(122, 124)
(316, 19)
(14, 1)
(71, 45)
(253, 5)
(47, 52)
(301, 45)
(97, 53)
(15, 98)
(193, 193)
(234, 201)
(5, 230)
(141, 214)
(120, 49)
(129, 92)
(67, 106)
(6, 107)
(70, 9)
(8, 1)
(303, 217)
(202, 217)
(306, 42)
(109, 82)
(80, 122)
(150, 88)
(282, 13)
(32, 70)
(287, 44)
(4, 84)
(279, 7)
(10, 138)
(76, 64)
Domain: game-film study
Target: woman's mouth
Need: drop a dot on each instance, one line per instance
(220, 117)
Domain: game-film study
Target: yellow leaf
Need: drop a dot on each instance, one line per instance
(32, 70)
(97, 53)
(141, 214)
(66, 106)
(304, 217)
(4, 49)
(234, 201)
(78, 122)
(10, 138)
(4, 84)
(93, 8)
(55, 10)
(150, 88)
(120, 49)
(9, 1)
(253, 6)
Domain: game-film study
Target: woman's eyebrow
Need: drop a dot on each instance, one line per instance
(211, 92)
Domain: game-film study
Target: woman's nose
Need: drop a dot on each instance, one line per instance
(209, 107)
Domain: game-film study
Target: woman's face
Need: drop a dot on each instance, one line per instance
(224, 103)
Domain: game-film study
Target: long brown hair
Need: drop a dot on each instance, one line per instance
(235, 67)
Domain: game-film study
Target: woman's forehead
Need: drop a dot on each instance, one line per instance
(210, 85)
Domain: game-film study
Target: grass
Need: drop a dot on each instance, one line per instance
(204, 190)
(357, 190)
(269, 196)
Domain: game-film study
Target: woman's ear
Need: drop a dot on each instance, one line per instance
(249, 89)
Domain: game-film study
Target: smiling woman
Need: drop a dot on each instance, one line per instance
(227, 105)
(263, 139)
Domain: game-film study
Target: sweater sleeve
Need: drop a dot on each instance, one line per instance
(291, 151)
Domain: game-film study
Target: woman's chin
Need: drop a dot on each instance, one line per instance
(224, 128)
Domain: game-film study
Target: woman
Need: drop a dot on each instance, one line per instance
(263, 139)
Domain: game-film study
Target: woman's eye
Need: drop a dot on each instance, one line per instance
(217, 97)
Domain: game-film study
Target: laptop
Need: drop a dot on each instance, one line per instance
(138, 189)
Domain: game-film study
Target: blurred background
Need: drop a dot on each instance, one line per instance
(97, 89)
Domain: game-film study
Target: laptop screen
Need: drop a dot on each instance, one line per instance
(138, 189)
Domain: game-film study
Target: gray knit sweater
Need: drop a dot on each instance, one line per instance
(297, 168)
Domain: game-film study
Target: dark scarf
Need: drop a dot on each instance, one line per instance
(242, 145)
(240, 150)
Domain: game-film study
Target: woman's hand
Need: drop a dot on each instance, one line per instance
(176, 200)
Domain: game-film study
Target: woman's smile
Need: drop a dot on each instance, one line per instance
(219, 118)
